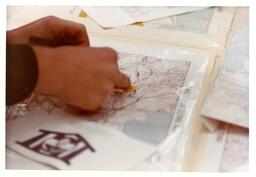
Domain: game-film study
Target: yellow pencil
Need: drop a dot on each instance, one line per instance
(131, 88)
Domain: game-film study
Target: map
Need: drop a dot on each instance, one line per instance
(236, 150)
(197, 22)
(229, 98)
(145, 113)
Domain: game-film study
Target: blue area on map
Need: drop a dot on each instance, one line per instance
(238, 51)
(153, 130)
(234, 62)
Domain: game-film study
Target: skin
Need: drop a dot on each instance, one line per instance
(76, 73)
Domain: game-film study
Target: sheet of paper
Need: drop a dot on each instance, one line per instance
(21, 15)
(229, 98)
(197, 21)
(147, 114)
(35, 12)
(17, 161)
(66, 142)
(108, 17)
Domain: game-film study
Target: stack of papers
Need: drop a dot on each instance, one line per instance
(109, 17)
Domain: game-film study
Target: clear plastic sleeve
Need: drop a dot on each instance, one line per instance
(189, 64)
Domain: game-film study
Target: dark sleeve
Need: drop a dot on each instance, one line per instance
(21, 72)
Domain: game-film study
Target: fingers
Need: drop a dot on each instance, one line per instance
(110, 56)
(70, 33)
(120, 80)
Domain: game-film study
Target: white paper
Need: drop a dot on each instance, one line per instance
(22, 15)
(108, 17)
(73, 144)
(16, 161)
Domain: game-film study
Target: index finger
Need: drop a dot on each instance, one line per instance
(122, 81)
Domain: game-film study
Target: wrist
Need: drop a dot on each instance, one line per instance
(47, 82)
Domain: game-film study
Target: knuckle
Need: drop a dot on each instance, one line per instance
(110, 53)
(50, 18)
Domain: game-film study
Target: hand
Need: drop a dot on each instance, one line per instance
(80, 76)
(76, 73)
(70, 33)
